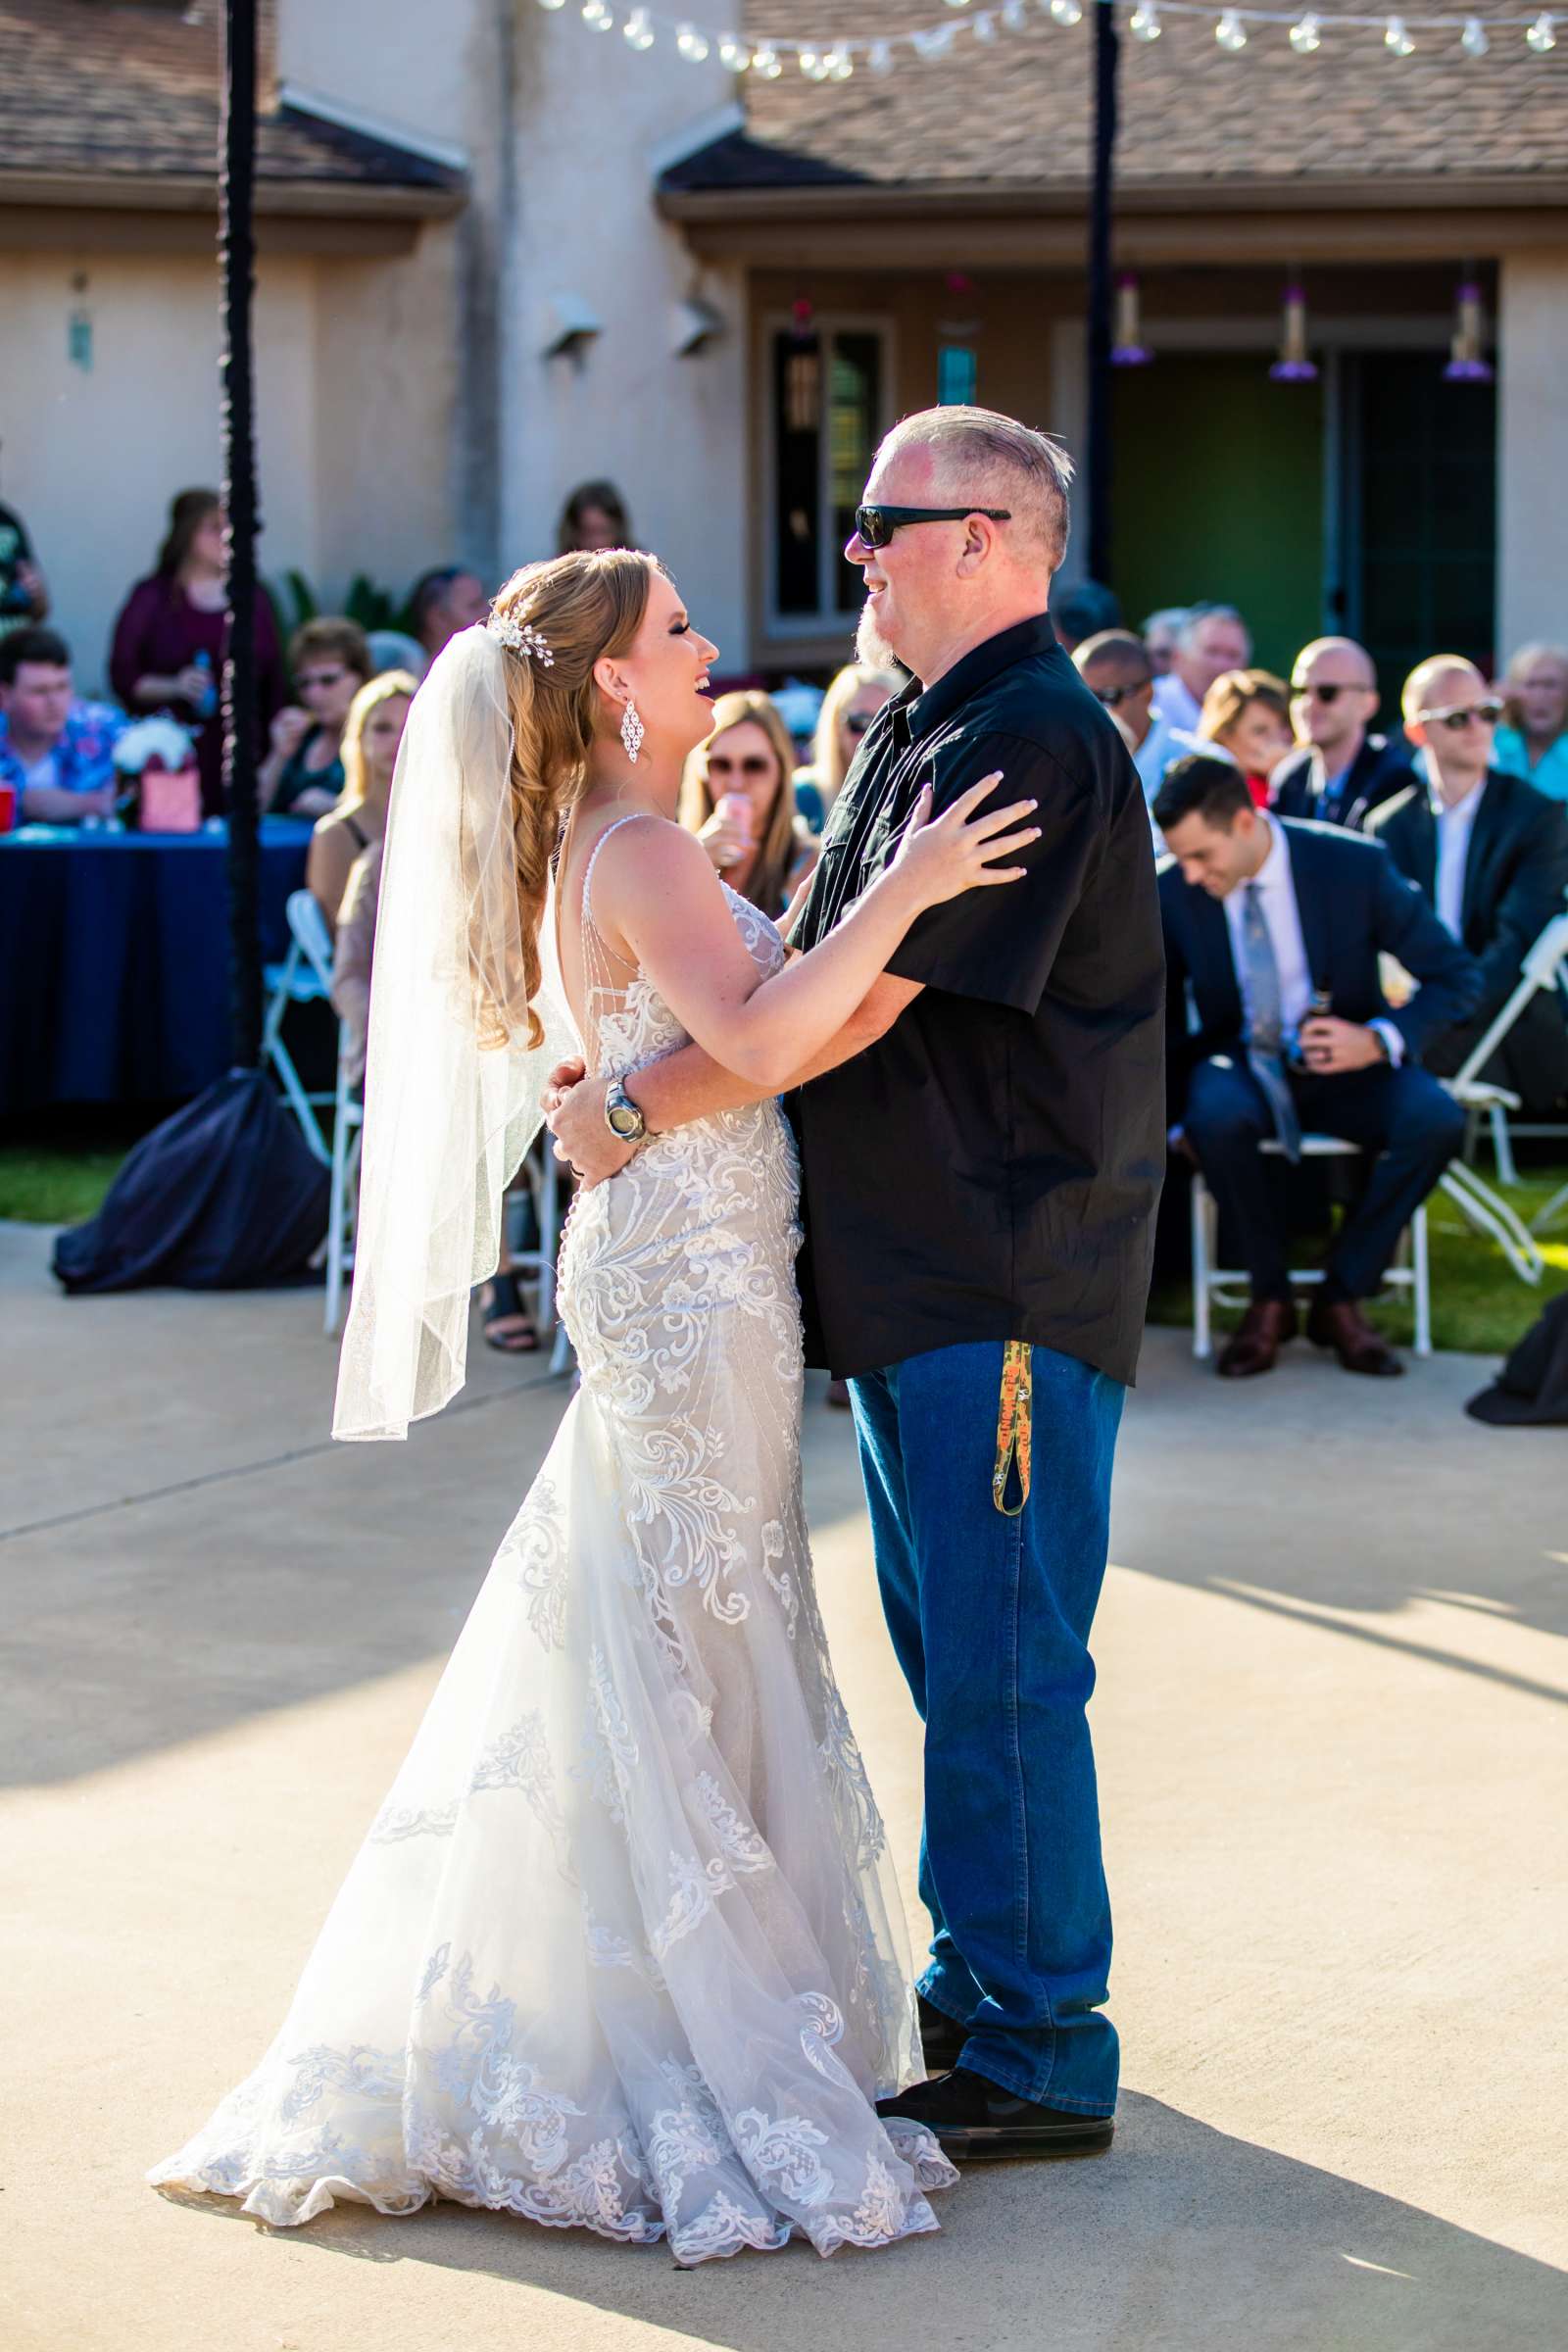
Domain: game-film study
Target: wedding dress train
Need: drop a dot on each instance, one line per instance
(622, 1949)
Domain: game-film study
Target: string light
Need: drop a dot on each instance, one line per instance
(696, 43)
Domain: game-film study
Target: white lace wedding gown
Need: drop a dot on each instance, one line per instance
(622, 1948)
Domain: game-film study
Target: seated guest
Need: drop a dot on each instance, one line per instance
(593, 518)
(1534, 741)
(850, 704)
(1276, 929)
(736, 796)
(1491, 854)
(1247, 712)
(1084, 609)
(371, 734)
(1341, 770)
(443, 601)
(57, 752)
(302, 774)
(169, 639)
(1159, 633)
(1213, 639)
(1116, 669)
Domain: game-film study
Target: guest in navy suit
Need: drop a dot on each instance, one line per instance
(1341, 770)
(1490, 853)
(1273, 928)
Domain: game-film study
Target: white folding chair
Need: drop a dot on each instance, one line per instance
(304, 977)
(348, 1135)
(1225, 1286)
(1545, 966)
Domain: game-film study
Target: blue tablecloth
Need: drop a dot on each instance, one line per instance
(114, 959)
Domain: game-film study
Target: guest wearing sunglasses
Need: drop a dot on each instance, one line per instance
(736, 798)
(850, 704)
(1342, 769)
(1490, 852)
(1119, 672)
(302, 776)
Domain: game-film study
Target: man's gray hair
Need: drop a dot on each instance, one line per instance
(994, 460)
(1196, 614)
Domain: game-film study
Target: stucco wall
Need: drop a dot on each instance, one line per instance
(91, 457)
(1532, 450)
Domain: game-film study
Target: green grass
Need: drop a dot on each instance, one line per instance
(1478, 1302)
(42, 1185)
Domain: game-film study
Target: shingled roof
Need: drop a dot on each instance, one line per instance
(104, 103)
(1014, 113)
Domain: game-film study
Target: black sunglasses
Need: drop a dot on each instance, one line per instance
(1113, 696)
(856, 722)
(1330, 695)
(875, 525)
(1486, 714)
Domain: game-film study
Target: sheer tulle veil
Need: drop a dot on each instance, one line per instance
(448, 1112)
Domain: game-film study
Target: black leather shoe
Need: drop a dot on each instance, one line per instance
(942, 2037)
(976, 2121)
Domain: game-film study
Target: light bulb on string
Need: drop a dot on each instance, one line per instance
(1014, 15)
(692, 44)
(840, 64)
(551, 6)
(880, 58)
(1230, 32)
(1396, 38)
(637, 32)
(596, 14)
(985, 27)
(1473, 41)
(768, 63)
(1307, 37)
(1144, 23)
(733, 55)
(1067, 12)
(1542, 34)
(958, 3)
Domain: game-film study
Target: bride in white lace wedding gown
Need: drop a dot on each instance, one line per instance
(622, 1948)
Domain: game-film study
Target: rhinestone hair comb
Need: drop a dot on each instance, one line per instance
(520, 637)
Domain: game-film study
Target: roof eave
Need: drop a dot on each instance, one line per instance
(874, 201)
(197, 192)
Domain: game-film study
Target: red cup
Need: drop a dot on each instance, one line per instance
(8, 807)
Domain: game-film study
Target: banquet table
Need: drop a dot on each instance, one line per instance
(115, 959)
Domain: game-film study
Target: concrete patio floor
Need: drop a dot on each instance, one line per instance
(1331, 1731)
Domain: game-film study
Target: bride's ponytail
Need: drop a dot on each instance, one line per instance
(556, 620)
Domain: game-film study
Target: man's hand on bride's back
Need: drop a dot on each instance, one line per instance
(940, 857)
(574, 1113)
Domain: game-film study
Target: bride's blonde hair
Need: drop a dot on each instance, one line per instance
(578, 608)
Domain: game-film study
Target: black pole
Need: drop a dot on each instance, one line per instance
(1101, 291)
(238, 250)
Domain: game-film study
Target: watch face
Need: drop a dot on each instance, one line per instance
(625, 1121)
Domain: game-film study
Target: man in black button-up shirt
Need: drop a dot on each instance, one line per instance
(982, 1151)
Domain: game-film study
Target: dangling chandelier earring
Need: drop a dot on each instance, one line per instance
(632, 731)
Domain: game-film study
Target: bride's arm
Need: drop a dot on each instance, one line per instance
(658, 891)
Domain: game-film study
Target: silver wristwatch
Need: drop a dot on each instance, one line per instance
(622, 1116)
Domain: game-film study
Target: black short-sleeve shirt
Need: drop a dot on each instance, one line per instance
(991, 1167)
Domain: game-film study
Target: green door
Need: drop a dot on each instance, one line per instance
(1217, 495)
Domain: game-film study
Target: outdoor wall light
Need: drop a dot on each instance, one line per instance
(697, 323)
(570, 326)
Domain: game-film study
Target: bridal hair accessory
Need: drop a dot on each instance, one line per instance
(632, 732)
(520, 637)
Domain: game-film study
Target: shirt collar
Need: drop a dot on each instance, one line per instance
(1276, 867)
(922, 709)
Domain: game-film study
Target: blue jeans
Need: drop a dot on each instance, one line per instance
(989, 1617)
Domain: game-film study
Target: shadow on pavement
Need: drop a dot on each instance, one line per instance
(1182, 2239)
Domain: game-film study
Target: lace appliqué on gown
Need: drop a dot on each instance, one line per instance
(622, 1950)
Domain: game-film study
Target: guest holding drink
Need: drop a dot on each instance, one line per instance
(737, 799)
(171, 638)
(302, 776)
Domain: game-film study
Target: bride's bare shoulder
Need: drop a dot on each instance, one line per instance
(650, 849)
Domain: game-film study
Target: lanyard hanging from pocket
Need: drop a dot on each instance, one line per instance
(1014, 1428)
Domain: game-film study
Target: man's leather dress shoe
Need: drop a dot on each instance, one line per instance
(1264, 1329)
(1339, 1323)
(976, 2121)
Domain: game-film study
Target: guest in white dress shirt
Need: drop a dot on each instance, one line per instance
(1213, 639)
(1277, 1025)
(1491, 855)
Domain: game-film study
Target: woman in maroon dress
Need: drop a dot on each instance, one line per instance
(171, 638)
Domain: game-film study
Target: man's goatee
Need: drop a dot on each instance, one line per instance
(870, 646)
